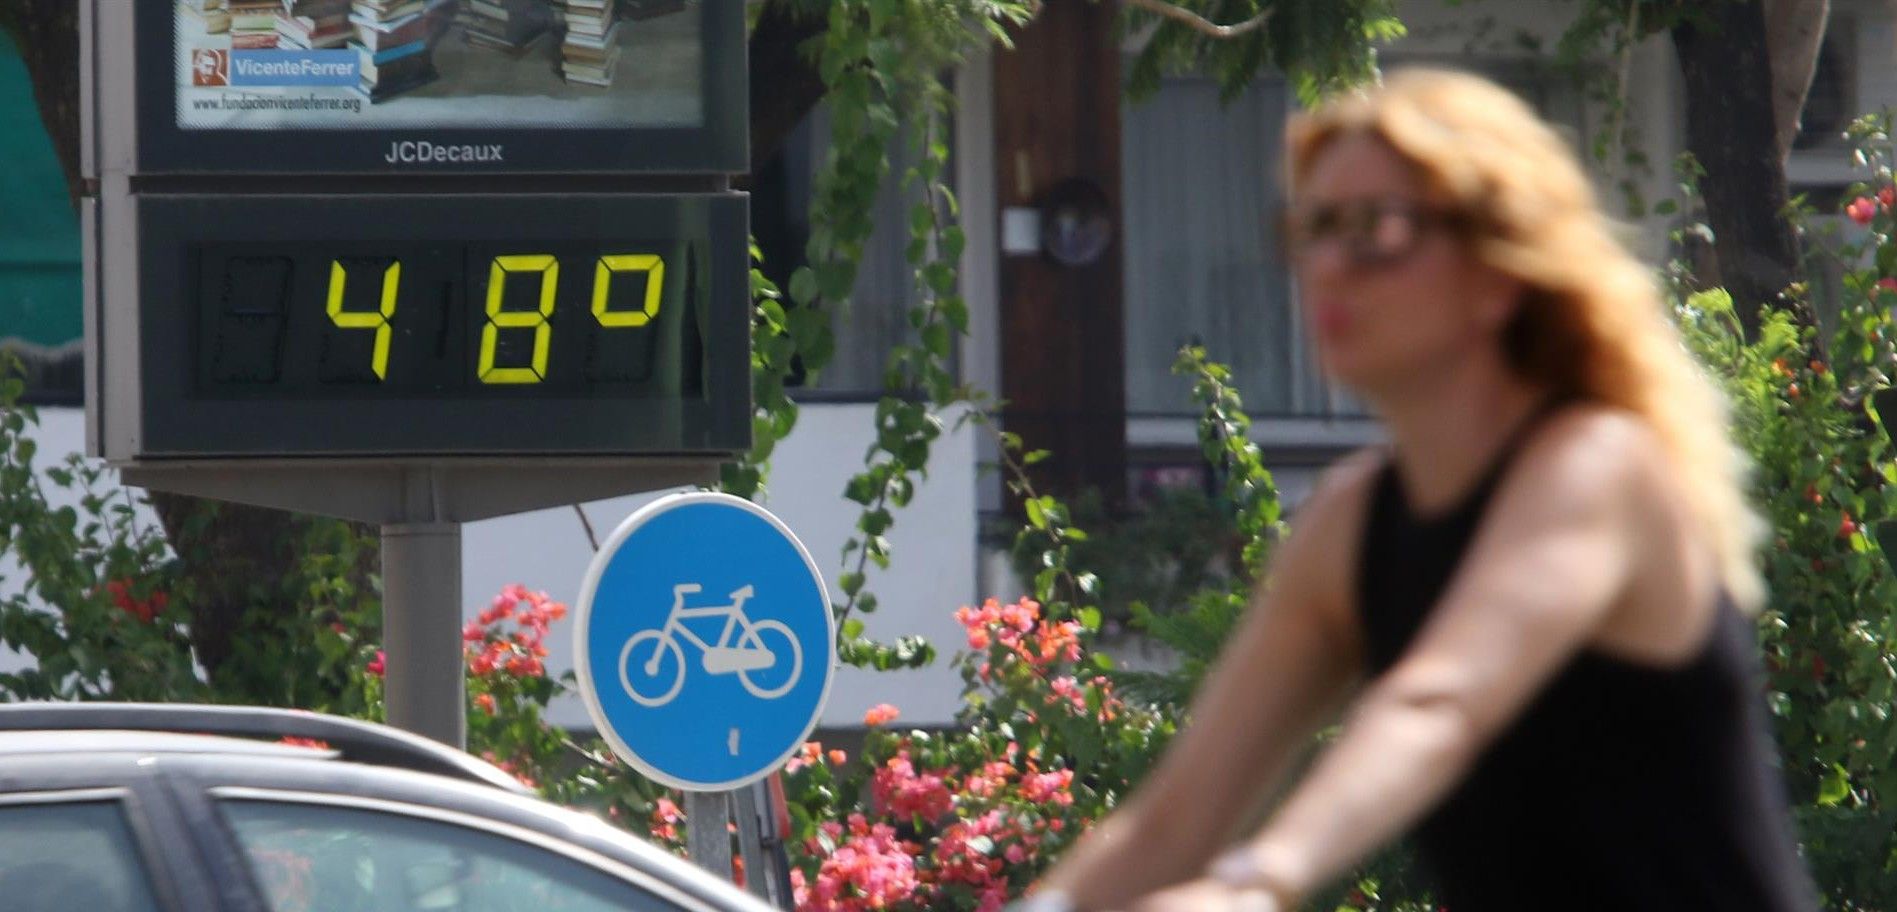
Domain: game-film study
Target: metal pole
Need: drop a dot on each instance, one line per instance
(421, 630)
(707, 838)
(757, 871)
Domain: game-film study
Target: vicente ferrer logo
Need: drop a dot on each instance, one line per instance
(210, 67)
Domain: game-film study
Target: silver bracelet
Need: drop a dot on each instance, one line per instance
(1239, 869)
(1236, 868)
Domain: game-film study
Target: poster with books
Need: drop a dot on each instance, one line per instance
(438, 64)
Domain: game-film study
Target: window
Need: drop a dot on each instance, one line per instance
(1831, 102)
(308, 858)
(876, 317)
(56, 857)
(1201, 192)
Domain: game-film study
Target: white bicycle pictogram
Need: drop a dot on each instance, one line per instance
(749, 653)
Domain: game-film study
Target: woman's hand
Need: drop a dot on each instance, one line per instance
(1208, 895)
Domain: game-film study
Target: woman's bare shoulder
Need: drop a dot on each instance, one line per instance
(1593, 444)
(1327, 525)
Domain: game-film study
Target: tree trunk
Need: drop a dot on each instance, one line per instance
(230, 553)
(1794, 31)
(1730, 128)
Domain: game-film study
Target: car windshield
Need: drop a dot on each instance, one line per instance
(319, 858)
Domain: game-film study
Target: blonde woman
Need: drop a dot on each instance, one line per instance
(1536, 600)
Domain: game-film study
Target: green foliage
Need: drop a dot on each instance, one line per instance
(105, 613)
(1319, 45)
(1173, 544)
(92, 604)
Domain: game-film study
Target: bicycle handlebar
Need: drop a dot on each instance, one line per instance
(687, 589)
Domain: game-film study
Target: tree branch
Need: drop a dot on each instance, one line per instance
(1200, 23)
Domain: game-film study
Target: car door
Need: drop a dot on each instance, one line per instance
(339, 837)
(92, 834)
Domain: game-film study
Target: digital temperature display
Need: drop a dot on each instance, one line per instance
(519, 319)
(417, 324)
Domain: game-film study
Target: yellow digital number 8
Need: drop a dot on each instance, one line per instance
(536, 320)
(377, 320)
(652, 266)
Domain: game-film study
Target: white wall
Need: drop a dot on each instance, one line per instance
(932, 573)
(933, 570)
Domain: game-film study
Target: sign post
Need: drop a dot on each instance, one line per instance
(413, 268)
(705, 651)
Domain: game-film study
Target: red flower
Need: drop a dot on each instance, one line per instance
(1887, 283)
(311, 743)
(378, 666)
(1887, 196)
(880, 714)
(1861, 210)
(485, 702)
(145, 609)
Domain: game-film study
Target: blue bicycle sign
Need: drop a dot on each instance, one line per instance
(652, 665)
(705, 643)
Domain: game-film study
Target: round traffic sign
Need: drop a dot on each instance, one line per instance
(705, 644)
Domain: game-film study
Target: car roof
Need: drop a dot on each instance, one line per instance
(350, 739)
(35, 742)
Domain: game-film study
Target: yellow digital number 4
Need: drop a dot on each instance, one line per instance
(377, 320)
(536, 320)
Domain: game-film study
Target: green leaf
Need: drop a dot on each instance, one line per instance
(1037, 515)
(803, 286)
(936, 338)
(851, 583)
(1835, 788)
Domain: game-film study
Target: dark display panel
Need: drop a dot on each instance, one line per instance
(444, 320)
(402, 325)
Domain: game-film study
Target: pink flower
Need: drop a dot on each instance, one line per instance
(1067, 688)
(1887, 283)
(810, 753)
(378, 666)
(902, 792)
(880, 714)
(1048, 787)
(871, 871)
(665, 820)
(1861, 210)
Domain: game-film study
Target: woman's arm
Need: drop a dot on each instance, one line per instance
(1555, 554)
(1288, 664)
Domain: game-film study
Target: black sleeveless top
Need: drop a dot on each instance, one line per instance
(1622, 786)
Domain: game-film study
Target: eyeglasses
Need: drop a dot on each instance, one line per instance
(1373, 233)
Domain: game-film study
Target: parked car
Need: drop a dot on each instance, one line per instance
(181, 808)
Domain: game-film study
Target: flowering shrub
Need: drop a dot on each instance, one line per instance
(967, 819)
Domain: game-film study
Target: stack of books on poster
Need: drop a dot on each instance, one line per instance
(215, 18)
(254, 23)
(590, 52)
(513, 26)
(395, 44)
(307, 24)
